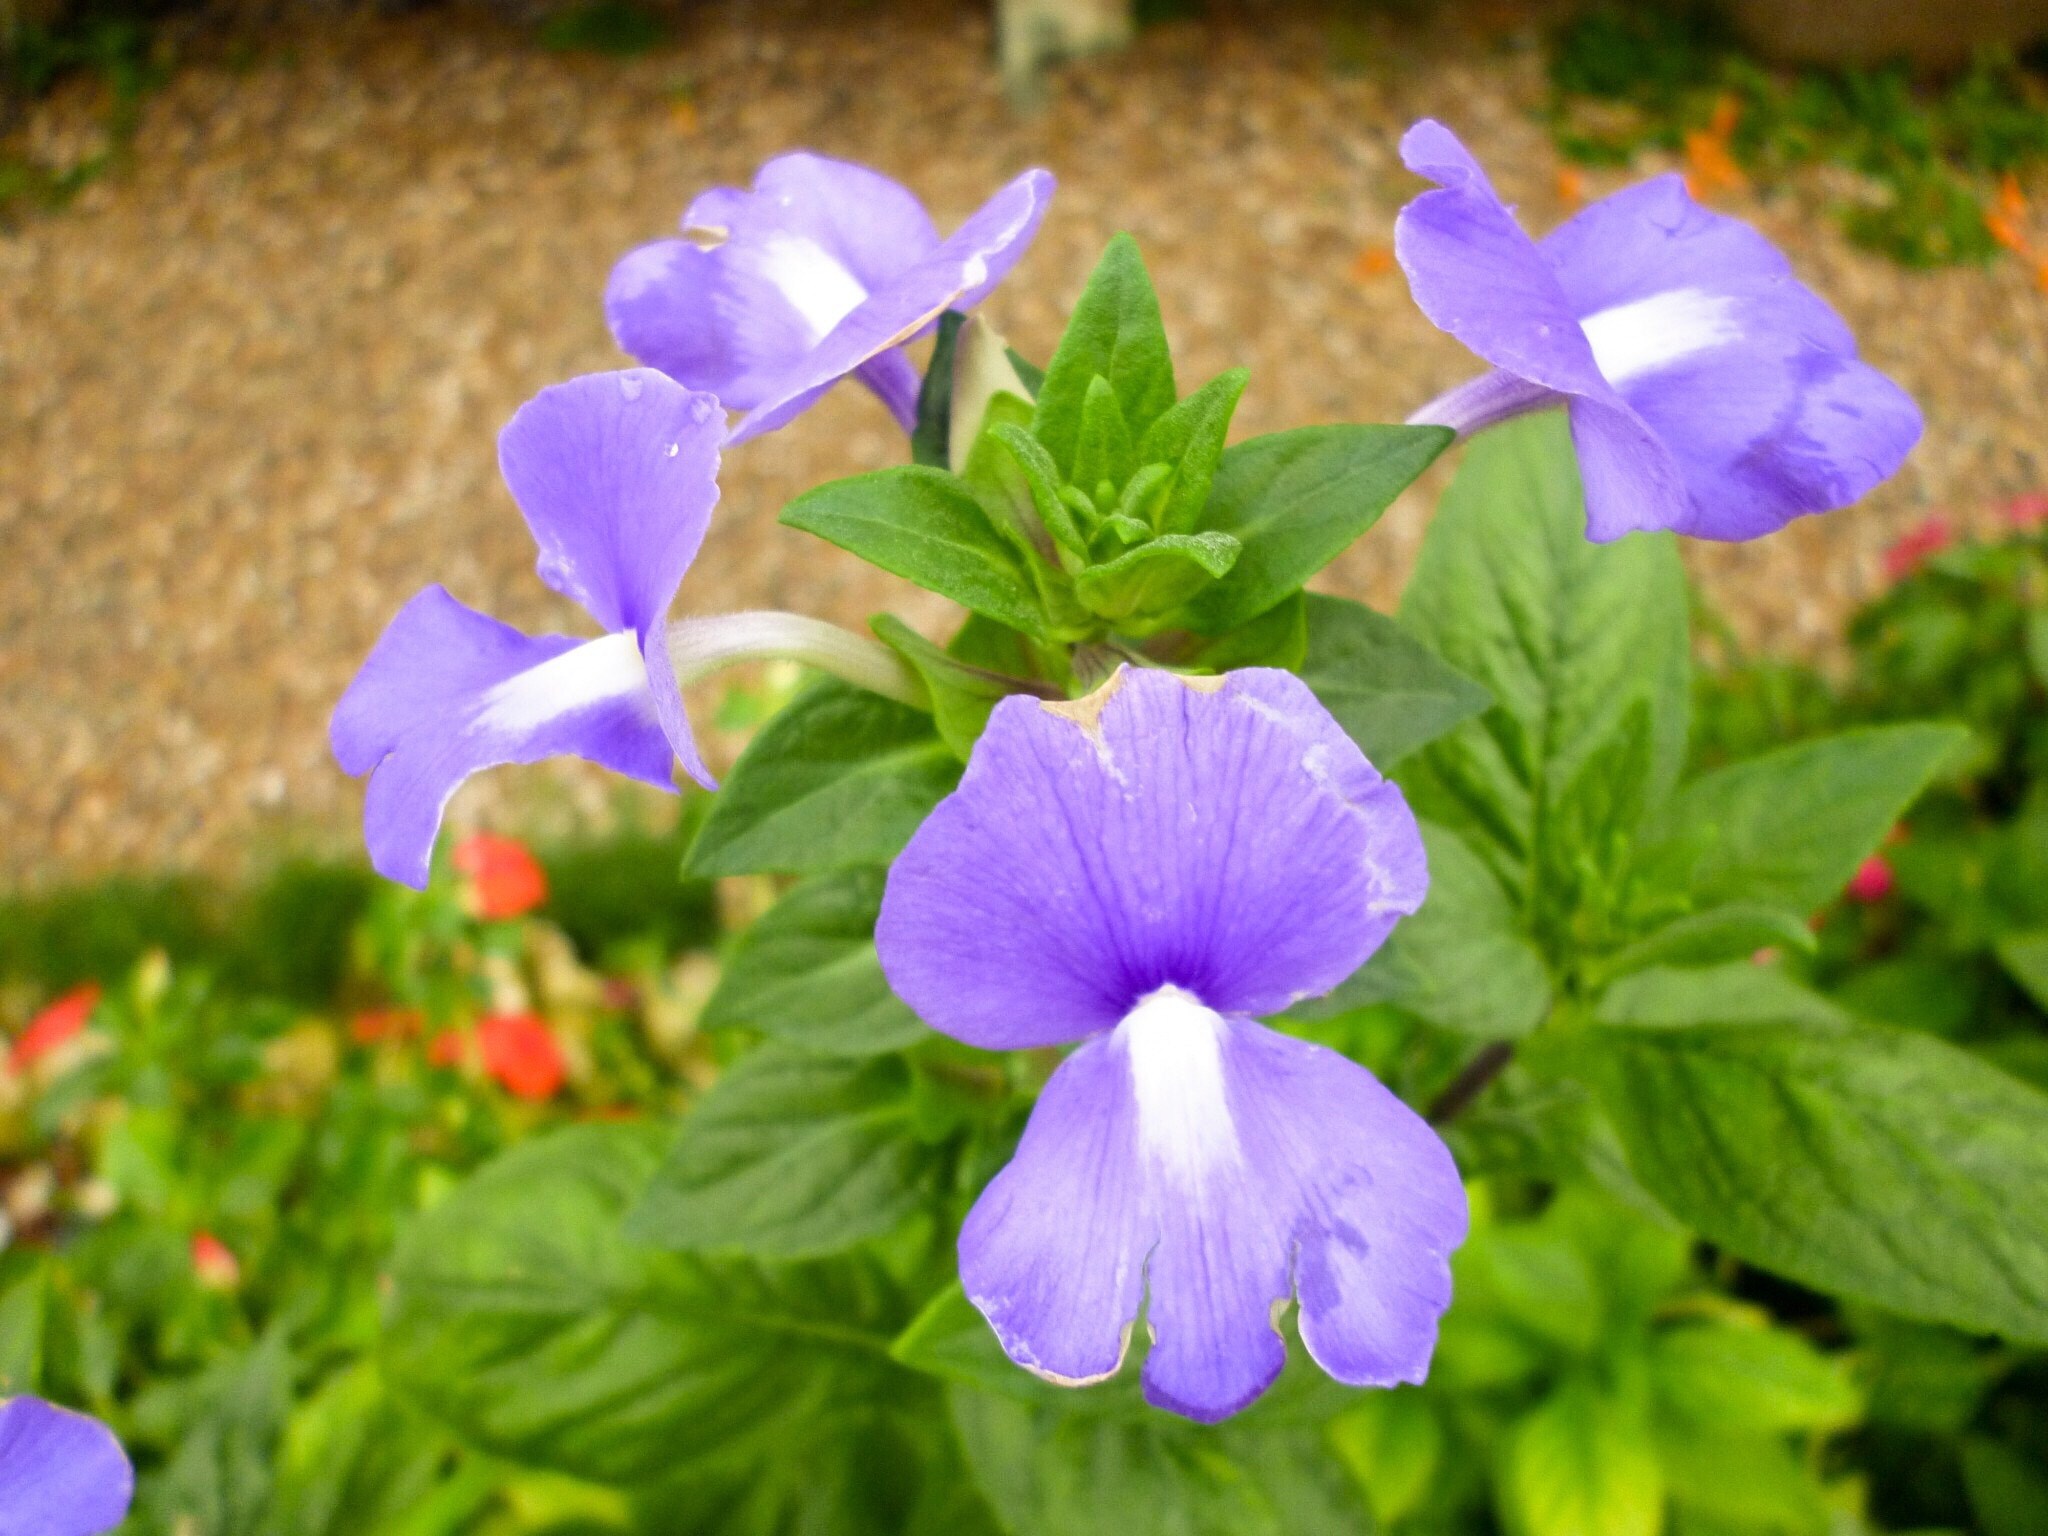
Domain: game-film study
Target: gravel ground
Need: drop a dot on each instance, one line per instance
(249, 390)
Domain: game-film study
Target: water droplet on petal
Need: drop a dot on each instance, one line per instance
(630, 385)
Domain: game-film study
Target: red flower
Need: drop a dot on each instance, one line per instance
(1915, 545)
(1872, 880)
(521, 1054)
(505, 880)
(217, 1268)
(446, 1048)
(381, 1024)
(59, 1022)
(2028, 511)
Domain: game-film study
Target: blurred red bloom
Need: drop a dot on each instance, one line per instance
(445, 1049)
(59, 1022)
(380, 1024)
(2028, 511)
(505, 880)
(1872, 880)
(1915, 545)
(217, 1268)
(522, 1055)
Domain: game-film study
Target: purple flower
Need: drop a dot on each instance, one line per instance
(616, 474)
(824, 269)
(1145, 871)
(61, 1473)
(1710, 391)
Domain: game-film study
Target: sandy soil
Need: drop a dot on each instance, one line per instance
(249, 390)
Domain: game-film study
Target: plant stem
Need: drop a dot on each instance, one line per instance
(701, 647)
(1470, 1083)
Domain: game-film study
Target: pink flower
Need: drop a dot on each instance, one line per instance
(1872, 881)
(504, 878)
(522, 1055)
(63, 1020)
(2028, 511)
(215, 1265)
(1915, 545)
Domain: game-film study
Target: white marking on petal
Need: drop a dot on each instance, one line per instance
(596, 671)
(817, 284)
(1630, 340)
(1175, 1047)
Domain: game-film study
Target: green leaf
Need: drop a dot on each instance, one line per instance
(1762, 1380)
(1567, 636)
(1389, 692)
(1723, 1480)
(1189, 440)
(1115, 332)
(1733, 930)
(806, 973)
(928, 527)
(1276, 638)
(1104, 451)
(2008, 1489)
(839, 777)
(1582, 1464)
(1460, 962)
(1041, 479)
(1788, 829)
(2025, 958)
(1740, 992)
(1153, 579)
(354, 1461)
(962, 695)
(1853, 1158)
(1392, 1443)
(790, 1155)
(931, 437)
(1266, 1472)
(1295, 501)
(523, 1318)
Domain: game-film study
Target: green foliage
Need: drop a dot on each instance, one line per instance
(617, 29)
(1625, 78)
(114, 41)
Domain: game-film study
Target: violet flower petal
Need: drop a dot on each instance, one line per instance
(617, 475)
(958, 274)
(447, 692)
(762, 279)
(1221, 834)
(1220, 1169)
(1709, 391)
(61, 1473)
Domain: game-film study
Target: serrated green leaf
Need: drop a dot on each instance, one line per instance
(962, 694)
(806, 973)
(1461, 962)
(1295, 501)
(930, 439)
(1391, 694)
(1748, 1379)
(1874, 1162)
(523, 1318)
(1140, 586)
(789, 1155)
(1567, 636)
(1115, 331)
(1582, 1464)
(839, 777)
(926, 526)
(1103, 452)
(1189, 440)
(1788, 829)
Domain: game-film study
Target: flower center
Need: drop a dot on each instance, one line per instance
(817, 284)
(1175, 1048)
(1630, 340)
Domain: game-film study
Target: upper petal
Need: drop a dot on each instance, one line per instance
(709, 319)
(61, 1473)
(1220, 835)
(1476, 274)
(1216, 1170)
(448, 691)
(871, 225)
(957, 274)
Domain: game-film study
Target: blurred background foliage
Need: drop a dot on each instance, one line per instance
(221, 1110)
